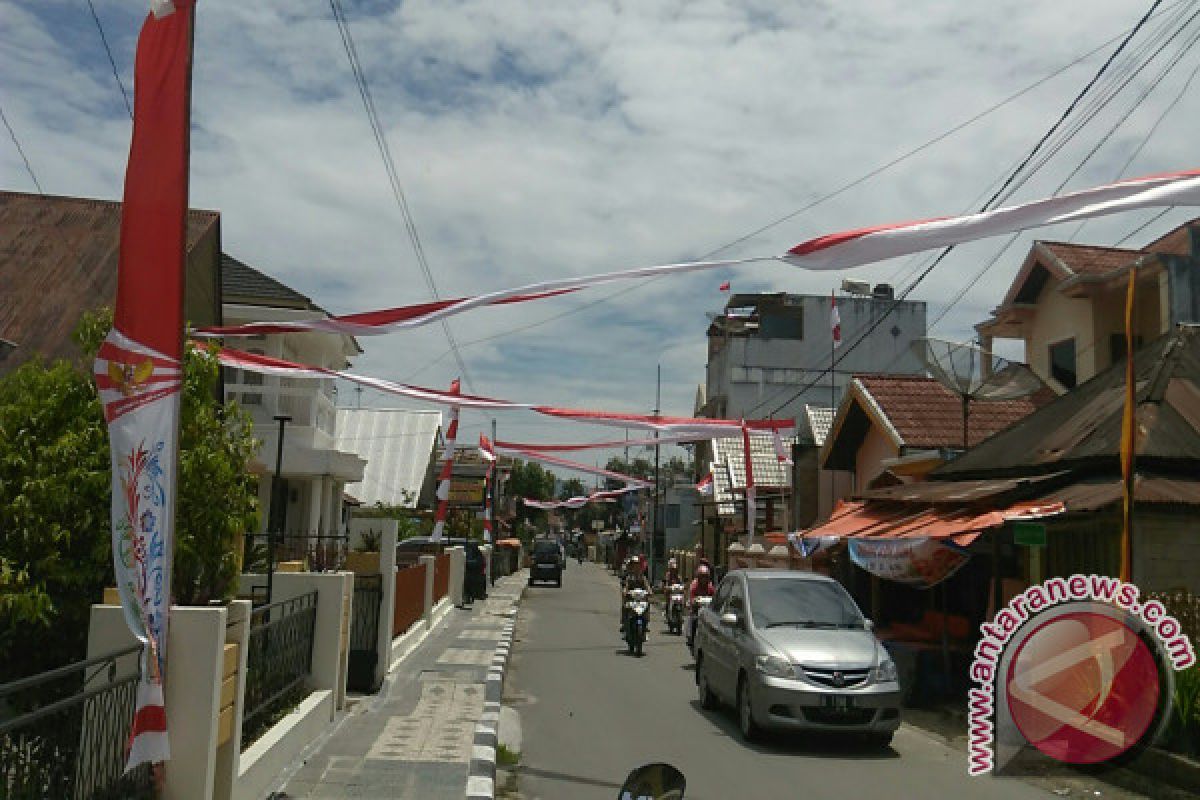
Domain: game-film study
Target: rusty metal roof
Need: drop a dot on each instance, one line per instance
(58, 258)
(1083, 426)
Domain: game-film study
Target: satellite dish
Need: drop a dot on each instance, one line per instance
(973, 373)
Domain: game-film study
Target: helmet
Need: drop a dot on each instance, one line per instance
(702, 571)
(671, 564)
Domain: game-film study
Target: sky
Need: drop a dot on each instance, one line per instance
(543, 140)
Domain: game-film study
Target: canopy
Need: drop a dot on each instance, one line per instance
(865, 519)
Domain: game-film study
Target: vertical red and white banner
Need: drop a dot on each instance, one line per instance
(138, 369)
(835, 321)
(751, 495)
(443, 489)
(488, 453)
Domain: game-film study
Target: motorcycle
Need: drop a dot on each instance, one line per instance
(637, 612)
(699, 604)
(653, 782)
(674, 610)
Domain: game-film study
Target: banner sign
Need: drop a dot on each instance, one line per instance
(919, 562)
(138, 369)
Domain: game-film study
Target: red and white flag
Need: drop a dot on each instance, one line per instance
(724, 287)
(443, 489)
(705, 486)
(835, 321)
(489, 455)
(138, 369)
(840, 250)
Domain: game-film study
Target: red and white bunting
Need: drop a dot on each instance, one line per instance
(685, 428)
(609, 445)
(705, 486)
(138, 369)
(488, 454)
(443, 489)
(835, 321)
(840, 250)
(546, 458)
(605, 496)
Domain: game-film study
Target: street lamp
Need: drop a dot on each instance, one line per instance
(280, 498)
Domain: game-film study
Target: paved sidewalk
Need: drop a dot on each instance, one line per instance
(415, 738)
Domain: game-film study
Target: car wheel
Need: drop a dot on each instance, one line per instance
(746, 724)
(708, 700)
(880, 741)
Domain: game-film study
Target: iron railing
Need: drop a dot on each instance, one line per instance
(63, 733)
(364, 633)
(278, 661)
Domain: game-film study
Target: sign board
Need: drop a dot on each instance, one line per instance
(1029, 534)
(466, 492)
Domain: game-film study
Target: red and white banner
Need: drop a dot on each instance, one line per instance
(751, 499)
(705, 486)
(835, 321)
(683, 428)
(840, 250)
(605, 496)
(609, 445)
(489, 455)
(138, 369)
(546, 458)
(917, 562)
(443, 489)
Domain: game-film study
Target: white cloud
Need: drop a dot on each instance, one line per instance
(537, 140)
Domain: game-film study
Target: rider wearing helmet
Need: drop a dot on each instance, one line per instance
(635, 578)
(672, 574)
(702, 584)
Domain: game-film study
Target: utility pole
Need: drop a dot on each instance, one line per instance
(278, 522)
(656, 534)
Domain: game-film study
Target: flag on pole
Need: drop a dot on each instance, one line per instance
(835, 321)
(443, 489)
(705, 486)
(1128, 432)
(724, 287)
(489, 455)
(138, 369)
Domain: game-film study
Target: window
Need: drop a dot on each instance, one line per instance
(802, 602)
(782, 323)
(722, 595)
(737, 599)
(1062, 363)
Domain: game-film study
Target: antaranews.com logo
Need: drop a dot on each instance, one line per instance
(1077, 667)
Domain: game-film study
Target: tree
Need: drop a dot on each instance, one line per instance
(55, 483)
(572, 488)
(528, 479)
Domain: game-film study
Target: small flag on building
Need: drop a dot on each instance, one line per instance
(724, 286)
(835, 321)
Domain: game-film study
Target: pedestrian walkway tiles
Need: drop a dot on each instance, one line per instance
(440, 728)
(463, 655)
(491, 632)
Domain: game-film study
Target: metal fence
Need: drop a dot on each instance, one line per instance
(278, 662)
(63, 732)
(1185, 607)
(320, 552)
(364, 633)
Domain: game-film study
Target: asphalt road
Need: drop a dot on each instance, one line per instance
(590, 713)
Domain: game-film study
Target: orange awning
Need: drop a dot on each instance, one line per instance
(891, 521)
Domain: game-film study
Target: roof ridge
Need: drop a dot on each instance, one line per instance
(1074, 245)
(94, 201)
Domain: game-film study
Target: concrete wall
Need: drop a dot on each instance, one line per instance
(335, 592)
(876, 447)
(1059, 317)
(1166, 552)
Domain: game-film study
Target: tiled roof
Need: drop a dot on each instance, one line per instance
(1089, 259)
(58, 258)
(768, 470)
(723, 490)
(927, 414)
(1177, 241)
(242, 283)
(820, 420)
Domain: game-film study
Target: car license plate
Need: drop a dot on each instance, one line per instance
(838, 702)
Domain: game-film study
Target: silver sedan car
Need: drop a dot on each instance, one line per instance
(791, 650)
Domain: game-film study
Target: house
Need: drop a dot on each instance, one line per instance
(1067, 303)
(398, 445)
(814, 488)
(896, 428)
(58, 259)
(723, 515)
(766, 352)
(314, 470)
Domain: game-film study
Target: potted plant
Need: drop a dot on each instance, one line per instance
(364, 559)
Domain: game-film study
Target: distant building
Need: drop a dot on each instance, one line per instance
(767, 352)
(1067, 303)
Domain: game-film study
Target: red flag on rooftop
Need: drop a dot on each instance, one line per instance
(724, 287)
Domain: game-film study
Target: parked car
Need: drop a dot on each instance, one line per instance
(546, 563)
(791, 650)
(475, 572)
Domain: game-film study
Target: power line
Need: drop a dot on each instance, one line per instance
(20, 150)
(377, 130)
(112, 62)
(945, 252)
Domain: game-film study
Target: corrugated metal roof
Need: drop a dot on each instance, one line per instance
(1093, 495)
(955, 492)
(397, 444)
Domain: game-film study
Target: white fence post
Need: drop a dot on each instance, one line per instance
(237, 631)
(387, 600)
(458, 570)
(430, 563)
(331, 634)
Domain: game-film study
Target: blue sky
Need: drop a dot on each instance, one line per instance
(538, 140)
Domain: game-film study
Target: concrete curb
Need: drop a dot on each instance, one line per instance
(481, 778)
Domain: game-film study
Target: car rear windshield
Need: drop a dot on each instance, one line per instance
(545, 548)
(802, 603)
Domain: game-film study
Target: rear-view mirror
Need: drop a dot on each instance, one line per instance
(654, 782)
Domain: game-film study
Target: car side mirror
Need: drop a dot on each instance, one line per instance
(731, 619)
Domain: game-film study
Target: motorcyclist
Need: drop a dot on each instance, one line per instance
(635, 578)
(672, 575)
(702, 586)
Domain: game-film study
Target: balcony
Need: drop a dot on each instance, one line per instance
(309, 403)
